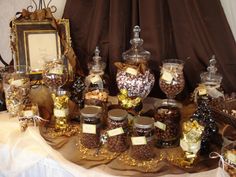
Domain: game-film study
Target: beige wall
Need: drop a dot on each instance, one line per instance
(7, 12)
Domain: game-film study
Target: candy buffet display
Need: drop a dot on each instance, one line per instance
(96, 91)
(117, 130)
(16, 86)
(167, 124)
(142, 140)
(134, 78)
(91, 127)
(172, 78)
(61, 109)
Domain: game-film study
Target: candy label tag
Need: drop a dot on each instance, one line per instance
(139, 140)
(202, 91)
(160, 125)
(231, 156)
(89, 128)
(57, 70)
(115, 132)
(214, 93)
(167, 76)
(17, 83)
(96, 79)
(28, 113)
(131, 71)
(60, 112)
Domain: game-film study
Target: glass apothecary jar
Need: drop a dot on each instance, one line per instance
(90, 127)
(210, 87)
(16, 86)
(117, 130)
(167, 124)
(96, 83)
(61, 109)
(142, 140)
(134, 78)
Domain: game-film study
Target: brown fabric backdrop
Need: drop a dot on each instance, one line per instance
(170, 29)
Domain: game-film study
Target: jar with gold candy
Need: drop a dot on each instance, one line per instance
(96, 83)
(142, 140)
(117, 130)
(210, 88)
(134, 78)
(16, 86)
(90, 127)
(167, 124)
(61, 109)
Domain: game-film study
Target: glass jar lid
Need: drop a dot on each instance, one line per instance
(143, 122)
(211, 77)
(90, 111)
(136, 54)
(117, 114)
(97, 66)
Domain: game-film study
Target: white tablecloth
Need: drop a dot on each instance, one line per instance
(26, 154)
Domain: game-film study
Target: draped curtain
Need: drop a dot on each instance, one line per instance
(194, 29)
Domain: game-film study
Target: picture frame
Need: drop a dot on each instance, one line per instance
(37, 42)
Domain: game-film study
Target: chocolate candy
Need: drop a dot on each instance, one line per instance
(142, 139)
(117, 130)
(167, 125)
(138, 85)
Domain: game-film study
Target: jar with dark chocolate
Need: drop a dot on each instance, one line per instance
(96, 83)
(172, 78)
(167, 124)
(90, 127)
(134, 77)
(117, 130)
(142, 139)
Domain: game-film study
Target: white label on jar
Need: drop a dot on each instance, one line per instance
(28, 113)
(60, 112)
(17, 83)
(167, 76)
(115, 132)
(139, 140)
(89, 128)
(57, 70)
(95, 79)
(189, 146)
(160, 125)
(214, 93)
(202, 91)
(131, 71)
(231, 156)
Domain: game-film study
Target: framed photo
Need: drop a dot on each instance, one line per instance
(37, 42)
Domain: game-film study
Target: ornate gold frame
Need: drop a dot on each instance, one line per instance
(19, 31)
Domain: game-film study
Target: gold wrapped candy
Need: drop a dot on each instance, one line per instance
(127, 102)
(61, 109)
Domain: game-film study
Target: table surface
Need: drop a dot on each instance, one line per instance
(24, 154)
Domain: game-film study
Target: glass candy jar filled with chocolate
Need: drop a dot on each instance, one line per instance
(117, 130)
(96, 91)
(61, 109)
(134, 78)
(90, 127)
(167, 124)
(142, 139)
(172, 78)
(210, 87)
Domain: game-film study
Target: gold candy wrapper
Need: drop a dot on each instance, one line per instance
(127, 102)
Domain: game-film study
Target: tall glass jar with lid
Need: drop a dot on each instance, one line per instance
(96, 83)
(210, 88)
(134, 78)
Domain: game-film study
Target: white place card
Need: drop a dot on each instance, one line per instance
(131, 71)
(89, 128)
(160, 125)
(115, 132)
(139, 140)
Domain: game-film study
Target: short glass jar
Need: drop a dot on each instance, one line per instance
(117, 130)
(142, 139)
(167, 123)
(61, 109)
(90, 127)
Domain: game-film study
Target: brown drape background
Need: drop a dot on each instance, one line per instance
(170, 29)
